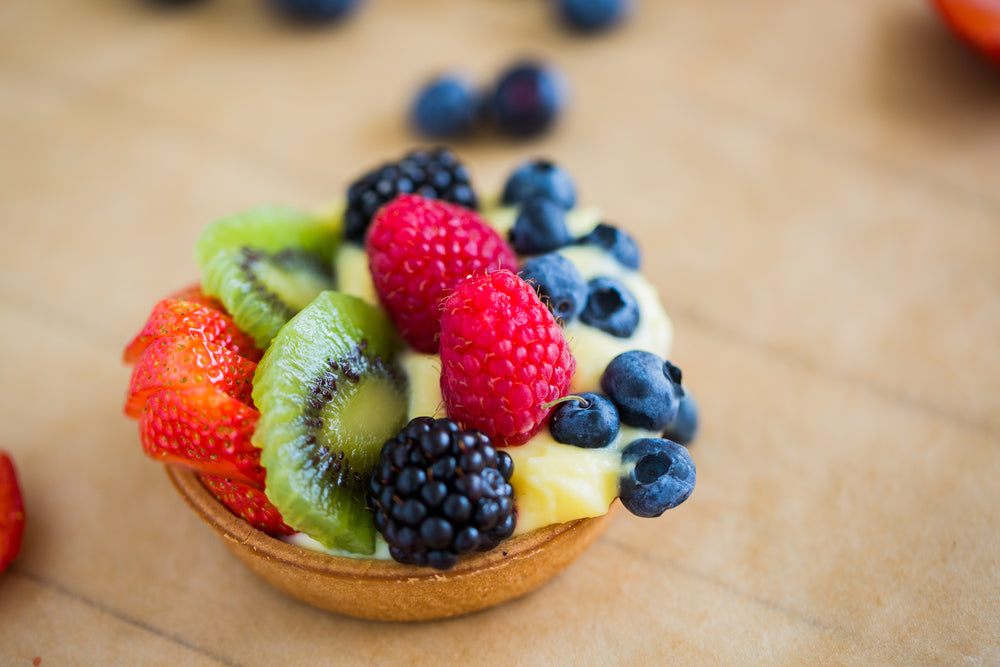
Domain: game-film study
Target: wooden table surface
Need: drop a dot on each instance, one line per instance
(814, 184)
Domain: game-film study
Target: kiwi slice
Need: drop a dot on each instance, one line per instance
(267, 264)
(330, 393)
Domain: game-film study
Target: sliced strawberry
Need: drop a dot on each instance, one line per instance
(175, 317)
(977, 22)
(248, 503)
(205, 429)
(194, 294)
(11, 512)
(180, 363)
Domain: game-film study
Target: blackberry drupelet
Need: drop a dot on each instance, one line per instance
(434, 174)
(439, 492)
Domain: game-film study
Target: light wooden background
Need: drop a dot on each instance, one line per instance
(816, 186)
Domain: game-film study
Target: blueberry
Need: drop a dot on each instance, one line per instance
(661, 476)
(619, 244)
(559, 284)
(611, 307)
(588, 420)
(540, 179)
(592, 15)
(540, 227)
(683, 428)
(315, 10)
(527, 99)
(445, 107)
(645, 389)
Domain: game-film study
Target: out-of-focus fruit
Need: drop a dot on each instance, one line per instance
(977, 22)
(539, 179)
(12, 514)
(446, 107)
(528, 98)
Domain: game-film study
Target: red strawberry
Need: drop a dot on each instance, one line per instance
(975, 21)
(202, 428)
(11, 512)
(194, 294)
(180, 363)
(503, 356)
(175, 317)
(248, 503)
(418, 250)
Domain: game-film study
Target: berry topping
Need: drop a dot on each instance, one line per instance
(661, 476)
(180, 363)
(611, 307)
(173, 317)
(619, 245)
(439, 492)
(592, 15)
(418, 250)
(248, 503)
(315, 10)
(645, 389)
(205, 429)
(503, 357)
(559, 284)
(540, 179)
(11, 512)
(432, 174)
(540, 227)
(527, 99)
(446, 107)
(195, 294)
(586, 420)
(683, 428)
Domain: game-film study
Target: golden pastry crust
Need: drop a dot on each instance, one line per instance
(390, 591)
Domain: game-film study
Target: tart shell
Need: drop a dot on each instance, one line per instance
(386, 590)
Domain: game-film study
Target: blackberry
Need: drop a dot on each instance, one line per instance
(434, 174)
(439, 492)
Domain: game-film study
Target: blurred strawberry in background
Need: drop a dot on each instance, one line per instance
(977, 22)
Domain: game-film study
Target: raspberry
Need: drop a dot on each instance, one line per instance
(435, 174)
(418, 250)
(439, 492)
(503, 357)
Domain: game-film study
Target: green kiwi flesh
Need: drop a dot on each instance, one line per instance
(266, 264)
(330, 393)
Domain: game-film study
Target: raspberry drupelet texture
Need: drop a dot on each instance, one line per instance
(503, 357)
(418, 250)
(438, 492)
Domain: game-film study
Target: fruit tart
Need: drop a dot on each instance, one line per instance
(415, 404)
